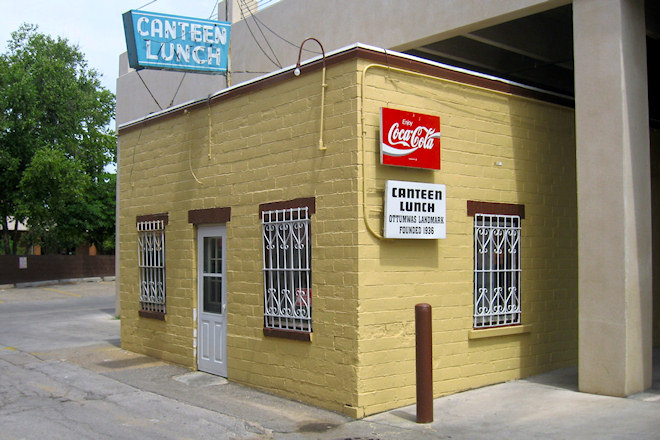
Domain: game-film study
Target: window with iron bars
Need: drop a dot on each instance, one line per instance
(151, 265)
(287, 269)
(496, 270)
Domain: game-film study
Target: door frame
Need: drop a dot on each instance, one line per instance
(214, 230)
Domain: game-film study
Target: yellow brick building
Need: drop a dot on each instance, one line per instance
(202, 180)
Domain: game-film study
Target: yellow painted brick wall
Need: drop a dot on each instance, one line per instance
(534, 142)
(147, 168)
(264, 147)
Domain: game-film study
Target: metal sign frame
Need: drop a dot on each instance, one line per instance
(172, 42)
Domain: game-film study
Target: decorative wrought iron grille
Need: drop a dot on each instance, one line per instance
(496, 270)
(287, 269)
(151, 265)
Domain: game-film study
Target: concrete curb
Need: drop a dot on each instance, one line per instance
(55, 282)
(81, 280)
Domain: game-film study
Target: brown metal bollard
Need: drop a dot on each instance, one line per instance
(424, 358)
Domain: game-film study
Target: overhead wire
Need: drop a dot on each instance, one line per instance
(148, 89)
(215, 5)
(242, 3)
(248, 6)
(177, 89)
(281, 37)
(265, 3)
(186, 33)
(184, 74)
(243, 8)
(262, 4)
(263, 35)
(147, 4)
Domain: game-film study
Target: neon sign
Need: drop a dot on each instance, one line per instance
(161, 41)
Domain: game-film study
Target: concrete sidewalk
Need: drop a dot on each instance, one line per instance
(98, 390)
(546, 406)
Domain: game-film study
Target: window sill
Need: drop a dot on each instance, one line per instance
(153, 315)
(499, 331)
(288, 334)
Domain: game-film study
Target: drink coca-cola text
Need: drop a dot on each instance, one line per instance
(419, 137)
(409, 139)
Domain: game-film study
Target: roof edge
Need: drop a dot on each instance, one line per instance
(370, 53)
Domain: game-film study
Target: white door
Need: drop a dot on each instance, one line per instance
(211, 300)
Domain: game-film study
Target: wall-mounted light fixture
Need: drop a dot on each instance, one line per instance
(296, 72)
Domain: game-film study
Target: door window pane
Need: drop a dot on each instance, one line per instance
(213, 294)
(212, 276)
(213, 255)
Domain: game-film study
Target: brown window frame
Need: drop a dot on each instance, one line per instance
(153, 270)
(289, 211)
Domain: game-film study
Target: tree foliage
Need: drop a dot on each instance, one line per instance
(55, 143)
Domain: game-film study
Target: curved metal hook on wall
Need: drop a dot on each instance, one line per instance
(296, 72)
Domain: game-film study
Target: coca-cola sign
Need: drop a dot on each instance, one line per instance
(409, 139)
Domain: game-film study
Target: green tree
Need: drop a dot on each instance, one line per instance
(55, 143)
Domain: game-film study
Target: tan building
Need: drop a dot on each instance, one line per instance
(251, 233)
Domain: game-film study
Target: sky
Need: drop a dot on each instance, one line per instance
(95, 26)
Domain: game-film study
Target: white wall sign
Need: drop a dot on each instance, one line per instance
(415, 210)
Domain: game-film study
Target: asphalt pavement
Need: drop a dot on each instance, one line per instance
(63, 376)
